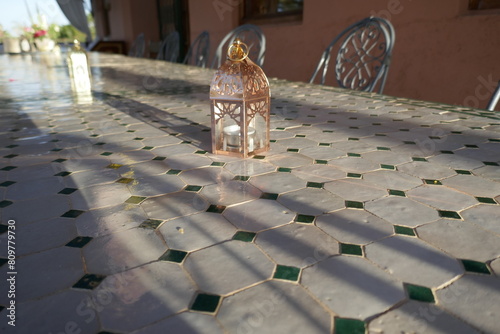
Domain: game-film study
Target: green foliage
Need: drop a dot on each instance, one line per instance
(68, 33)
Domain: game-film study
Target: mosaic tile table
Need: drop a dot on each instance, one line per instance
(371, 214)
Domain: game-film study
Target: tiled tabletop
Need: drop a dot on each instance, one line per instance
(370, 214)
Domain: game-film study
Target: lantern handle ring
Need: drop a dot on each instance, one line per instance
(238, 51)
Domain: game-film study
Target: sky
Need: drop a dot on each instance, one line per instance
(14, 15)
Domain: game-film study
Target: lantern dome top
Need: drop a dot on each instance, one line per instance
(239, 77)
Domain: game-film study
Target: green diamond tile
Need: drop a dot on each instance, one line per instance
(420, 293)
(173, 255)
(354, 175)
(11, 146)
(447, 152)
(314, 185)
(100, 143)
(72, 213)
(135, 199)
(351, 249)
(59, 160)
(78, 242)
(354, 155)
(349, 326)
(463, 172)
(381, 148)
(130, 130)
(306, 124)
(490, 163)
(494, 140)
(244, 236)
(419, 159)
(241, 178)
(300, 136)
(206, 303)
(67, 191)
(63, 174)
(10, 156)
(3, 228)
(8, 168)
(380, 135)
(185, 142)
(434, 182)
(216, 208)
(305, 219)
(270, 196)
(327, 131)
(351, 138)
(114, 166)
(125, 180)
(404, 230)
(286, 273)
(151, 224)
(434, 137)
(407, 142)
(397, 192)
(56, 149)
(295, 150)
(106, 154)
(354, 205)
(476, 267)
(5, 203)
(449, 214)
(259, 157)
(89, 281)
(471, 146)
(280, 128)
(201, 152)
(54, 140)
(148, 148)
(193, 188)
(384, 166)
(173, 171)
(7, 183)
(284, 170)
(138, 138)
(456, 132)
(218, 164)
(485, 200)
(159, 158)
(321, 162)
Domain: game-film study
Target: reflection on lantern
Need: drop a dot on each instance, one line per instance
(79, 70)
(240, 105)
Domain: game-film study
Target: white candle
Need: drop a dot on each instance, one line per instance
(232, 137)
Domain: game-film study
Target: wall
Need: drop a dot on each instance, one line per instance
(442, 53)
(127, 19)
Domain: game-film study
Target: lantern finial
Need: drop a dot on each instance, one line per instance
(237, 51)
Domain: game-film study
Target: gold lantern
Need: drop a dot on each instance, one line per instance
(79, 69)
(240, 105)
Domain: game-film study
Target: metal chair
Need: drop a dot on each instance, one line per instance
(494, 98)
(138, 47)
(169, 48)
(363, 57)
(197, 54)
(252, 36)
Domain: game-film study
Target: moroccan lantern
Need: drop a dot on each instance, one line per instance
(240, 105)
(79, 69)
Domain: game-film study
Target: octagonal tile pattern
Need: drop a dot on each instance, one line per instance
(369, 214)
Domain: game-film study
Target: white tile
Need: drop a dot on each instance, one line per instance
(426, 170)
(475, 299)
(354, 226)
(249, 167)
(99, 196)
(229, 193)
(124, 250)
(228, 267)
(44, 273)
(473, 185)
(368, 289)
(318, 173)
(187, 161)
(461, 239)
(418, 317)
(482, 215)
(311, 201)
(274, 307)
(413, 261)
(155, 185)
(277, 182)
(61, 312)
(297, 245)
(388, 179)
(441, 197)
(354, 164)
(355, 189)
(402, 211)
(196, 231)
(34, 189)
(206, 175)
(45, 208)
(289, 160)
(150, 292)
(258, 215)
(185, 322)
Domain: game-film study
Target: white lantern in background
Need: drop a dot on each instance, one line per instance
(79, 71)
(240, 105)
